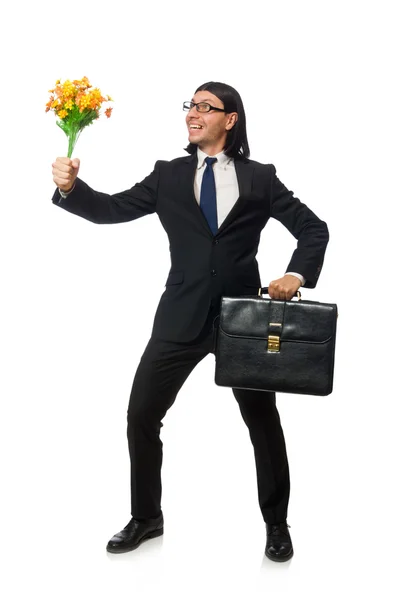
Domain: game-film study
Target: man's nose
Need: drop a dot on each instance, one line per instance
(193, 111)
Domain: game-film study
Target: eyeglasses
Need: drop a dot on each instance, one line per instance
(201, 106)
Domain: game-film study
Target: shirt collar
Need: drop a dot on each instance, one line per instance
(223, 160)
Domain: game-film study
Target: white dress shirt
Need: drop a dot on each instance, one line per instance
(66, 194)
(226, 185)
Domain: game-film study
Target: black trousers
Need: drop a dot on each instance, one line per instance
(163, 369)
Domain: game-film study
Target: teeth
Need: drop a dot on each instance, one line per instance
(195, 127)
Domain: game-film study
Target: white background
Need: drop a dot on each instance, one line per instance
(77, 303)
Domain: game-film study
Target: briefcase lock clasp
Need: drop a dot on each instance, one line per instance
(273, 343)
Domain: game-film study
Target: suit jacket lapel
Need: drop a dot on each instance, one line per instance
(186, 182)
(244, 172)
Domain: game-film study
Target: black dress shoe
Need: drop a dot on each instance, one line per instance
(136, 532)
(278, 544)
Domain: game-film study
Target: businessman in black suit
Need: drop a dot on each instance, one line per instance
(213, 204)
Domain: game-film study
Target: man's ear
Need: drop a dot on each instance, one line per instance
(232, 120)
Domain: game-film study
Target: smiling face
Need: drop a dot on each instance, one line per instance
(209, 129)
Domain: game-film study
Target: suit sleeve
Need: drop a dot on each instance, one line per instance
(312, 233)
(101, 208)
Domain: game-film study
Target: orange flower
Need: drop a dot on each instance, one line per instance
(85, 83)
(78, 98)
(51, 100)
(62, 114)
(108, 112)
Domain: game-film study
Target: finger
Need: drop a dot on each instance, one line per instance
(61, 181)
(63, 168)
(282, 294)
(291, 292)
(64, 160)
(275, 295)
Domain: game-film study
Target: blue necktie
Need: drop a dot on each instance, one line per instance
(208, 195)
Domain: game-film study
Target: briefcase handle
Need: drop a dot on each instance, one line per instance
(265, 290)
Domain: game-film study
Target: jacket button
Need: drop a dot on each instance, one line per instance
(213, 272)
(216, 242)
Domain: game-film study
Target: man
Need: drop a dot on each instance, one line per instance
(213, 205)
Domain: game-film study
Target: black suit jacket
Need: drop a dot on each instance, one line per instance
(205, 267)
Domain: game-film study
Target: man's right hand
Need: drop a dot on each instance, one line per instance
(64, 171)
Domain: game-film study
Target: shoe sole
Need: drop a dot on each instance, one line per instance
(281, 558)
(148, 536)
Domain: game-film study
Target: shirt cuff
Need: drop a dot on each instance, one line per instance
(66, 194)
(302, 279)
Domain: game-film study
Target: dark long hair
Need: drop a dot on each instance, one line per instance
(236, 144)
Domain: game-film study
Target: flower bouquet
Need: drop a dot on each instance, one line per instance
(77, 105)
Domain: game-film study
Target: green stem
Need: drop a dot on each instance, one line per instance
(73, 137)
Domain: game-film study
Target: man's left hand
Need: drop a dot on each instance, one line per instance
(284, 288)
